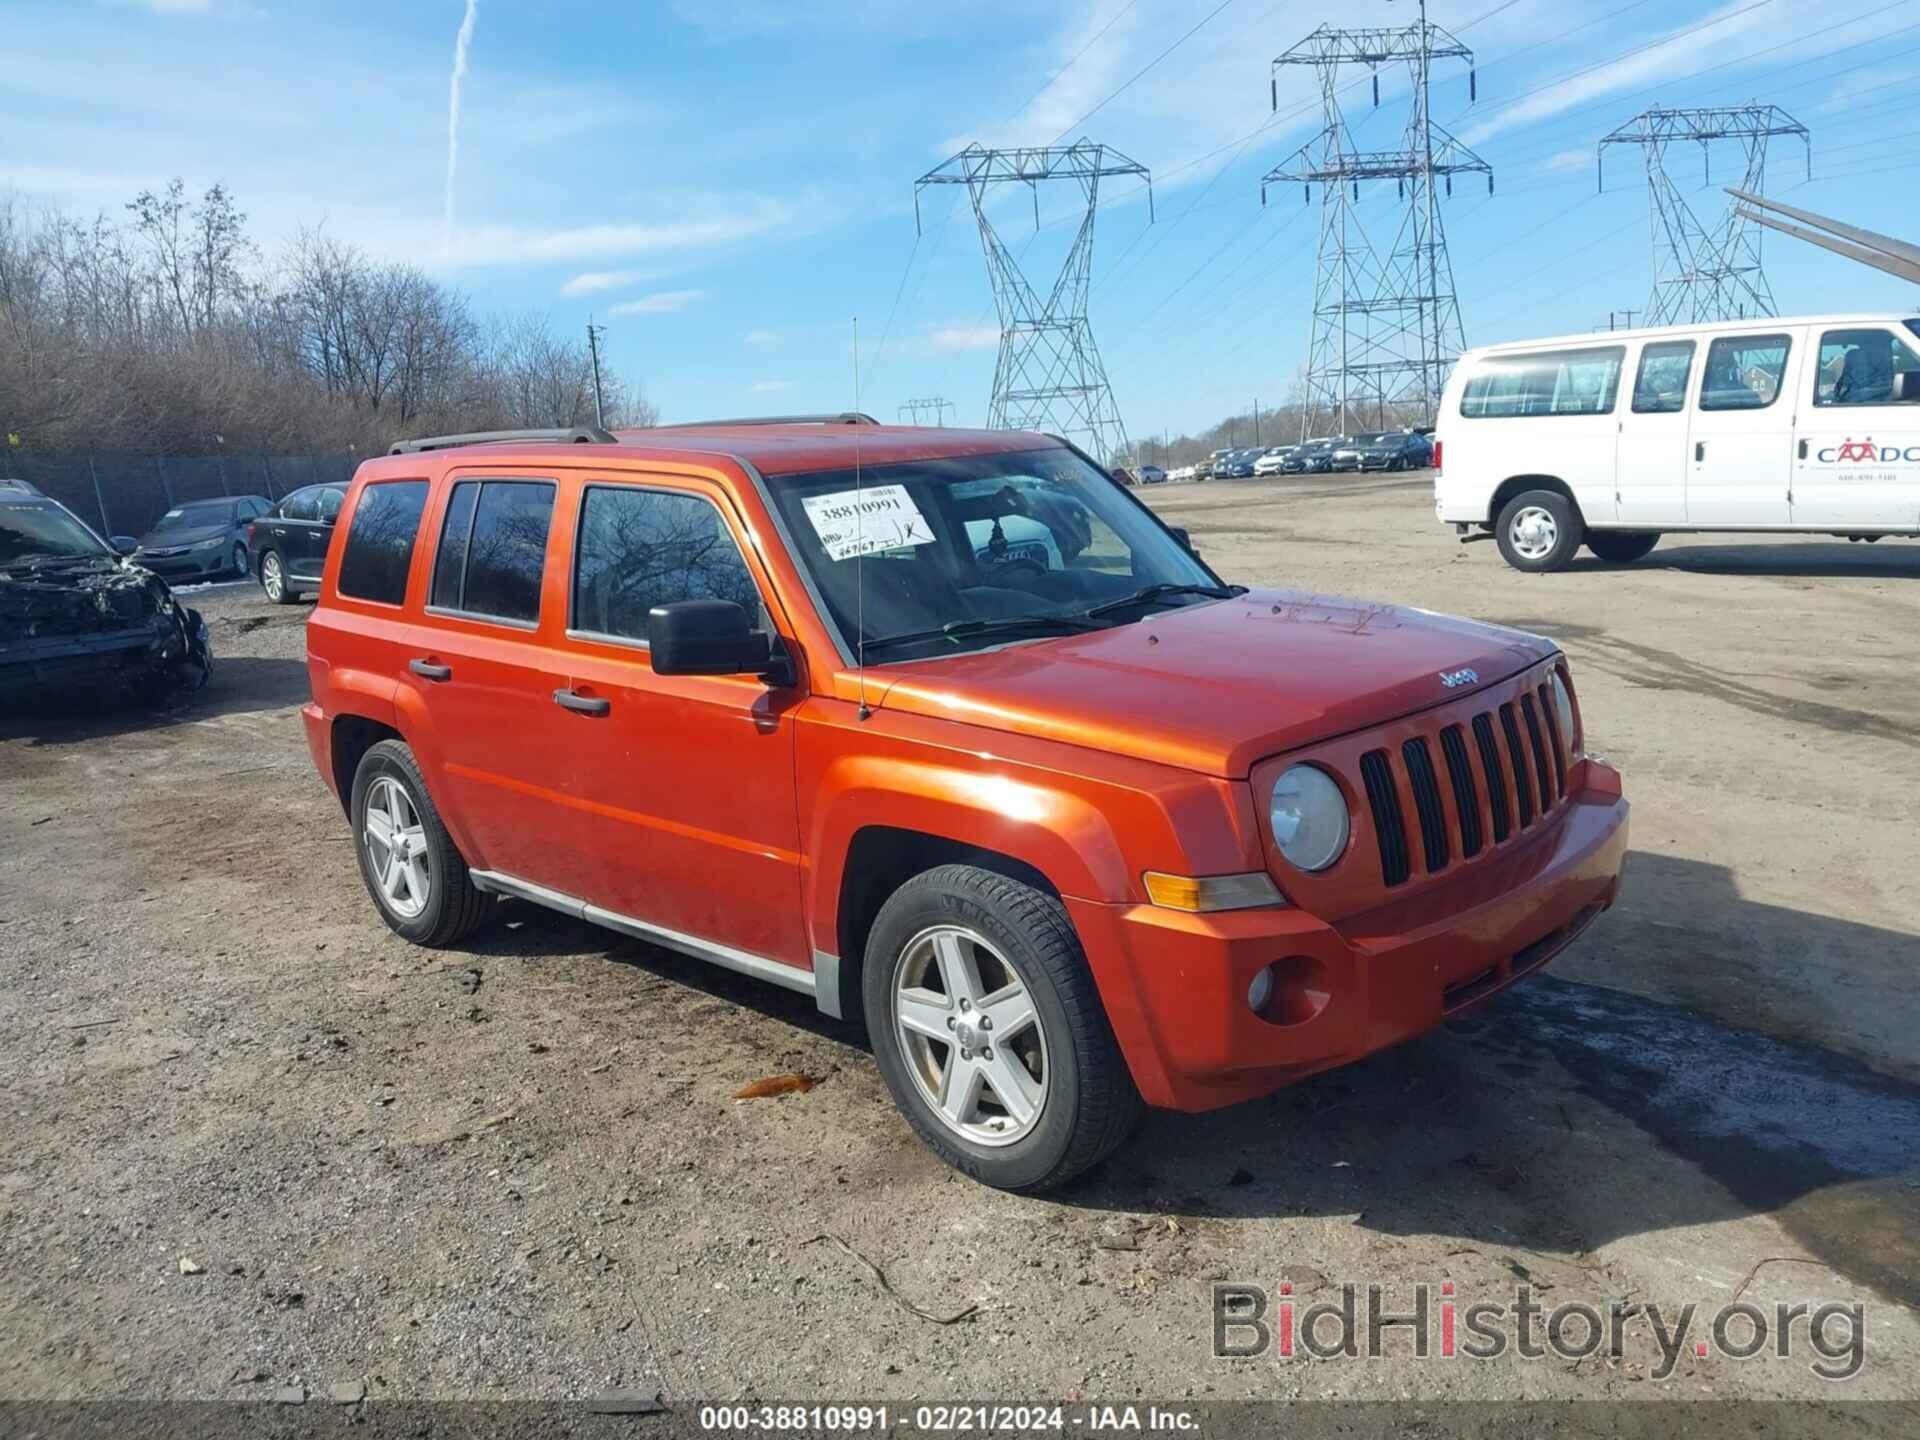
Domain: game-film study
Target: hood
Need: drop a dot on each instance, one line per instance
(1217, 686)
(179, 539)
(52, 600)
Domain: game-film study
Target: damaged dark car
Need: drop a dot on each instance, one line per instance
(75, 616)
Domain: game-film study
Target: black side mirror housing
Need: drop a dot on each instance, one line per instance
(706, 637)
(1906, 387)
(123, 544)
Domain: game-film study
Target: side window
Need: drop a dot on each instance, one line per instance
(1857, 367)
(1744, 372)
(493, 549)
(642, 548)
(330, 500)
(1660, 387)
(1562, 382)
(301, 505)
(380, 541)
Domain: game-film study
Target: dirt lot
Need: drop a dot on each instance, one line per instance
(519, 1171)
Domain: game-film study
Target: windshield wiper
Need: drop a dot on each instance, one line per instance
(962, 629)
(1163, 592)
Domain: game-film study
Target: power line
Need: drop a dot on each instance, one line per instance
(1125, 85)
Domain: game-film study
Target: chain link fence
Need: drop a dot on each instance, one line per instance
(124, 493)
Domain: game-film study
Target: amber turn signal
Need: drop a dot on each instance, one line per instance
(1211, 892)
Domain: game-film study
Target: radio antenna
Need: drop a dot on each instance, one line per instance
(860, 544)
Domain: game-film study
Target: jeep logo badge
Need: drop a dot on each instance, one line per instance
(1453, 679)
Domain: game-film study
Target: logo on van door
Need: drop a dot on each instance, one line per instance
(1858, 452)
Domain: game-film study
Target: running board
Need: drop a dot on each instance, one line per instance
(789, 976)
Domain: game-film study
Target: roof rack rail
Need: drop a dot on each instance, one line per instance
(843, 417)
(571, 435)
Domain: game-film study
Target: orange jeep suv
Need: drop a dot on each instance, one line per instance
(948, 731)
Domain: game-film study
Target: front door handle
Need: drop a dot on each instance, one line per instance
(427, 670)
(1803, 449)
(584, 704)
(1700, 450)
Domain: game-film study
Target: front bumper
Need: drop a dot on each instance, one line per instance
(1175, 984)
(194, 565)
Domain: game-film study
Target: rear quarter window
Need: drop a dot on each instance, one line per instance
(379, 548)
(1549, 382)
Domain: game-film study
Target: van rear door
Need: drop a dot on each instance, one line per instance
(1857, 452)
(1741, 433)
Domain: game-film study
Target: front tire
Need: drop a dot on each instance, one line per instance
(1539, 530)
(273, 579)
(989, 1030)
(417, 877)
(1622, 547)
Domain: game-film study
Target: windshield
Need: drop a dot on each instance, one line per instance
(43, 532)
(195, 517)
(983, 544)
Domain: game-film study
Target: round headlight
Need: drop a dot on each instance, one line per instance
(1309, 818)
(1563, 713)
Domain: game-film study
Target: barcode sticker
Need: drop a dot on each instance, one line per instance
(859, 522)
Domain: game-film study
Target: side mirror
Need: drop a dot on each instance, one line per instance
(123, 544)
(706, 637)
(1906, 387)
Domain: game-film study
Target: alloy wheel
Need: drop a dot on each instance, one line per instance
(396, 844)
(967, 1025)
(271, 580)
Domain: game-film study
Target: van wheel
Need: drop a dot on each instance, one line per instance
(990, 1033)
(273, 579)
(417, 878)
(1621, 547)
(1539, 530)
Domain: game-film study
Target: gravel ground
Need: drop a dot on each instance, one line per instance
(253, 1141)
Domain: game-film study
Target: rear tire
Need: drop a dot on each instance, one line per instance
(1016, 949)
(1622, 547)
(1539, 530)
(430, 899)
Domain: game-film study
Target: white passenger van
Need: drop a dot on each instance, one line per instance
(1611, 440)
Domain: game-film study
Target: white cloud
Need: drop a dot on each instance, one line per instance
(1573, 159)
(593, 282)
(966, 337)
(664, 303)
(763, 337)
(725, 220)
(1677, 52)
(767, 387)
(170, 7)
(462, 42)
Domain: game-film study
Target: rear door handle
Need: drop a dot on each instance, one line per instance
(427, 670)
(1803, 449)
(584, 704)
(1700, 450)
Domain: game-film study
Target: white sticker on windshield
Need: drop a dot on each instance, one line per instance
(859, 522)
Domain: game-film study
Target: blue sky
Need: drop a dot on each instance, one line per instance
(726, 185)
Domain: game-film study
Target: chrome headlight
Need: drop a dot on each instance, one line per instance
(1563, 713)
(214, 544)
(1309, 818)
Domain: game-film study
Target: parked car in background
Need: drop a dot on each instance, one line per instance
(1313, 457)
(1397, 450)
(1774, 424)
(75, 614)
(1270, 463)
(1345, 455)
(1068, 841)
(1152, 475)
(290, 541)
(203, 539)
(1238, 465)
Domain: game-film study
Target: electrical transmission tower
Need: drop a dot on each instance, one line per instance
(936, 405)
(1049, 375)
(1386, 323)
(1702, 275)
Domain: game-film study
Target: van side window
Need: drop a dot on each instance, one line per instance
(1661, 386)
(642, 548)
(493, 549)
(380, 541)
(1744, 372)
(1557, 382)
(1857, 367)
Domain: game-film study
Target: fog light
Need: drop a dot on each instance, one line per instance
(1260, 991)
